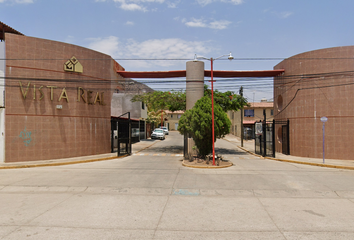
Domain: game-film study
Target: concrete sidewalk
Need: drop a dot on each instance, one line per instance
(136, 147)
(248, 146)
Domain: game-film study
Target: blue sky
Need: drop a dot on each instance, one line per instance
(178, 29)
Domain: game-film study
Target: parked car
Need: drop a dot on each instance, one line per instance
(158, 133)
(165, 130)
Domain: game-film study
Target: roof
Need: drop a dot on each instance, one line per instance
(207, 73)
(249, 122)
(134, 87)
(178, 112)
(7, 29)
(260, 105)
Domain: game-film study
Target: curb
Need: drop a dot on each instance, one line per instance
(207, 167)
(70, 163)
(60, 163)
(299, 162)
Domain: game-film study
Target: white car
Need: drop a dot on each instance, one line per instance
(165, 130)
(158, 133)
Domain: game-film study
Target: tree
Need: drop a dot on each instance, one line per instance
(197, 122)
(227, 100)
(159, 100)
(176, 100)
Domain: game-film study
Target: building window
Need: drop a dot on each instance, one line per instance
(179, 116)
(142, 105)
(171, 116)
(271, 112)
(232, 115)
(249, 113)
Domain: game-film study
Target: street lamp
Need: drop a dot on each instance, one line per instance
(230, 57)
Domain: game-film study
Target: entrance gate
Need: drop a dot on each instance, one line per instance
(121, 135)
(265, 138)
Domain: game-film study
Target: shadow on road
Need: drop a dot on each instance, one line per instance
(169, 149)
(227, 151)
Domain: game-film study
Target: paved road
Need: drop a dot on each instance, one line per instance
(152, 196)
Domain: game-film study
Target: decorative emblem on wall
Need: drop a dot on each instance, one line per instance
(73, 65)
(26, 137)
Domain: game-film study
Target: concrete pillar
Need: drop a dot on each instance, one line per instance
(194, 92)
(194, 82)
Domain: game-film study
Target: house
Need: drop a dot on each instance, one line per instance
(172, 119)
(251, 114)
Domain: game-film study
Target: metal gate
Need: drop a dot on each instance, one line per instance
(121, 135)
(264, 139)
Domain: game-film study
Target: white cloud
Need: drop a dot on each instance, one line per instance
(168, 48)
(195, 23)
(135, 5)
(174, 4)
(107, 45)
(18, 1)
(236, 2)
(206, 2)
(132, 7)
(285, 14)
(129, 23)
(220, 24)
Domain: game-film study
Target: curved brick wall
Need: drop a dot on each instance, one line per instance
(35, 128)
(316, 84)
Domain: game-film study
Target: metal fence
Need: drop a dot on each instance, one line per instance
(264, 140)
(265, 137)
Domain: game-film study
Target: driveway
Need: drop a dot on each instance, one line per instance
(149, 195)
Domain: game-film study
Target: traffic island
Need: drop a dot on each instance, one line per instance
(201, 163)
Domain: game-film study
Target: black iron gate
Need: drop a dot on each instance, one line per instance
(264, 139)
(121, 135)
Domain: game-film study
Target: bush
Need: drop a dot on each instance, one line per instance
(198, 123)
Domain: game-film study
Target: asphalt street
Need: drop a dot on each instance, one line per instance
(150, 195)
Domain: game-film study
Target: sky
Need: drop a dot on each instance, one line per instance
(259, 33)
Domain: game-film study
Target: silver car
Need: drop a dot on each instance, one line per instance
(165, 130)
(158, 133)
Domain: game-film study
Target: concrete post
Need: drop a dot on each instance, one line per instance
(194, 92)
(194, 82)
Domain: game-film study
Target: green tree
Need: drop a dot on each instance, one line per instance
(197, 122)
(227, 100)
(159, 100)
(176, 100)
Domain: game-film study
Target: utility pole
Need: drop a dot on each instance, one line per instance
(264, 130)
(241, 93)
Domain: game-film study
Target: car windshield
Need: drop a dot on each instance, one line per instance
(158, 130)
